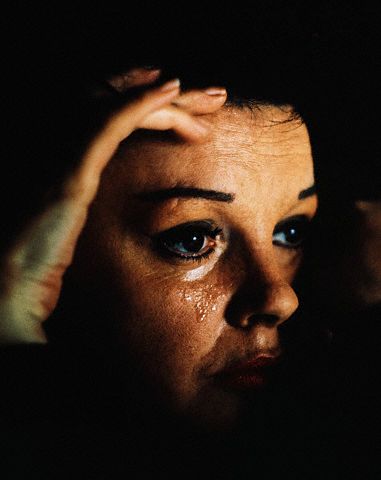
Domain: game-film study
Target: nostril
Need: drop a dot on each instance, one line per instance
(268, 320)
(266, 304)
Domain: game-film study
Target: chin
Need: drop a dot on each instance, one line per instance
(216, 412)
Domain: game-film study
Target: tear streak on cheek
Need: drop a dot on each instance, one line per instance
(201, 271)
(198, 273)
(207, 301)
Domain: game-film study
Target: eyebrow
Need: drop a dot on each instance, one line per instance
(189, 192)
(308, 192)
(186, 192)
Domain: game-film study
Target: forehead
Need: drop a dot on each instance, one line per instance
(253, 145)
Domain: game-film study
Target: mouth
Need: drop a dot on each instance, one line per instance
(250, 374)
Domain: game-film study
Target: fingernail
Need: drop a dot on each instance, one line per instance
(151, 71)
(171, 85)
(215, 91)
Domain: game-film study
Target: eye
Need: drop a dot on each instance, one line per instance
(189, 241)
(291, 233)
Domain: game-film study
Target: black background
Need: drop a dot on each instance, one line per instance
(323, 55)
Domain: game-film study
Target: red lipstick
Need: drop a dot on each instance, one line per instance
(250, 374)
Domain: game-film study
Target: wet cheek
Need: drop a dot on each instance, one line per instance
(189, 317)
(205, 290)
(206, 303)
(181, 321)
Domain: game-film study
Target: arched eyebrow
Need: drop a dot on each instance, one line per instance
(185, 192)
(190, 192)
(308, 192)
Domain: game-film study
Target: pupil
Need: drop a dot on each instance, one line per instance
(292, 232)
(192, 242)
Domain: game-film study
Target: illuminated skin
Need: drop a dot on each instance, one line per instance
(182, 320)
(185, 319)
(33, 268)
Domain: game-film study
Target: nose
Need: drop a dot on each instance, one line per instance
(263, 299)
(279, 302)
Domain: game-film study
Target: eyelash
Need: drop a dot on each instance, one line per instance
(302, 224)
(199, 258)
(177, 235)
(202, 229)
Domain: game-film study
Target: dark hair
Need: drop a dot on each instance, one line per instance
(271, 52)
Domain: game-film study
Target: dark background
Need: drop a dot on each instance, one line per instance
(324, 56)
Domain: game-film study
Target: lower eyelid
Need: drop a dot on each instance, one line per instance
(178, 258)
(197, 257)
(288, 247)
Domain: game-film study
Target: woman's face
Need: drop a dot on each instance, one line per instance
(197, 245)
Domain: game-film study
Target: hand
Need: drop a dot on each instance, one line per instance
(36, 263)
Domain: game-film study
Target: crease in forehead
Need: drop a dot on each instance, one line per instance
(247, 136)
(261, 131)
(268, 119)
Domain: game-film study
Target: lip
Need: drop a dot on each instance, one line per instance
(250, 374)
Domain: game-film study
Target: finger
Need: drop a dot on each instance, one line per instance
(83, 184)
(133, 78)
(173, 118)
(200, 102)
(38, 260)
(120, 83)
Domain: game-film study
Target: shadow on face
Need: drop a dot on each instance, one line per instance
(186, 263)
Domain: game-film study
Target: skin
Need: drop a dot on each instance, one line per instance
(183, 321)
(179, 322)
(33, 268)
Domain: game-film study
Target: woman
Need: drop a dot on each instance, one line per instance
(191, 211)
(188, 251)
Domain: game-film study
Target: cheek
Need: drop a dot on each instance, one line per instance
(185, 318)
(171, 324)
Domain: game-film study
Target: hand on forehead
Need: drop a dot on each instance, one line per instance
(195, 101)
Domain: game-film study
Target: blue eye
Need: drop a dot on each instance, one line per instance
(291, 233)
(188, 241)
